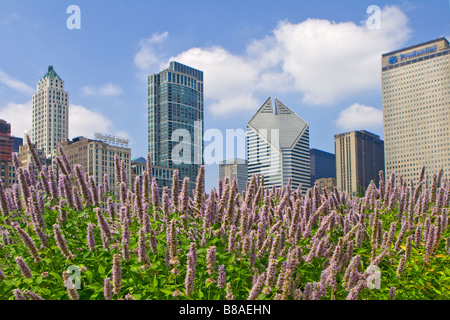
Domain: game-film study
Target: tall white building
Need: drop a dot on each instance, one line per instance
(416, 106)
(278, 146)
(50, 113)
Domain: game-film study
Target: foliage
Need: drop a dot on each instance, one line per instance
(139, 242)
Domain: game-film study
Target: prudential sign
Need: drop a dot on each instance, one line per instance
(409, 55)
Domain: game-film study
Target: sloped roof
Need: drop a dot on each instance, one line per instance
(52, 73)
(278, 116)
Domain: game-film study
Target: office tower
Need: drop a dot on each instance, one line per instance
(50, 113)
(359, 160)
(6, 141)
(416, 95)
(323, 165)
(235, 169)
(17, 142)
(278, 146)
(97, 157)
(175, 122)
(7, 172)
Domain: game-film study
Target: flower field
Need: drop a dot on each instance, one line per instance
(67, 238)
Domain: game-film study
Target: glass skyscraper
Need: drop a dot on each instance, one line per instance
(175, 122)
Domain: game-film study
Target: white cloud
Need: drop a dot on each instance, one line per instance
(85, 122)
(325, 62)
(147, 55)
(107, 89)
(82, 121)
(19, 116)
(358, 117)
(14, 84)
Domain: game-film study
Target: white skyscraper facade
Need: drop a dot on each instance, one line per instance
(50, 113)
(416, 106)
(278, 146)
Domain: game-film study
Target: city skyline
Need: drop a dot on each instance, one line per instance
(295, 51)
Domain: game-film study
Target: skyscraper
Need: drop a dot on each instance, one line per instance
(278, 146)
(235, 169)
(323, 165)
(6, 141)
(416, 105)
(175, 121)
(359, 160)
(50, 113)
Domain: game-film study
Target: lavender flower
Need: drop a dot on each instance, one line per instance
(107, 289)
(155, 193)
(71, 290)
(307, 291)
(91, 237)
(125, 239)
(392, 293)
(24, 269)
(2, 275)
(29, 244)
(211, 259)
(257, 287)
(32, 295)
(104, 226)
(142, 250)
(18, 295)
(61, 242)
(117, 273)
(401, 265)
(189, 281)
(221, 276)
(229, 295)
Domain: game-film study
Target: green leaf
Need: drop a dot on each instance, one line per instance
(166, 291)
(101, 270)
(38, 280)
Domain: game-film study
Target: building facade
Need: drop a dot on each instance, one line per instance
(97, 158)
(327, 183)
(50, 113)
(278, 146)
(6, 141)
(235, 169)
(359, 160)
(416, 105)
(323, 165)
(175, 121)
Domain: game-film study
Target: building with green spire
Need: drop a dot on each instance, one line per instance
(50, 113)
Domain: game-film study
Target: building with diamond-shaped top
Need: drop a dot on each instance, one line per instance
(278, 146)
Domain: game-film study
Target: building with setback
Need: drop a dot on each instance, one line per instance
(278, 146)
(50, 113)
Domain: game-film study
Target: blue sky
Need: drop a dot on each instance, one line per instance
(317, 57)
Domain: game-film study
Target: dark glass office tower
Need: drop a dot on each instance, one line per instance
(175, 122)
